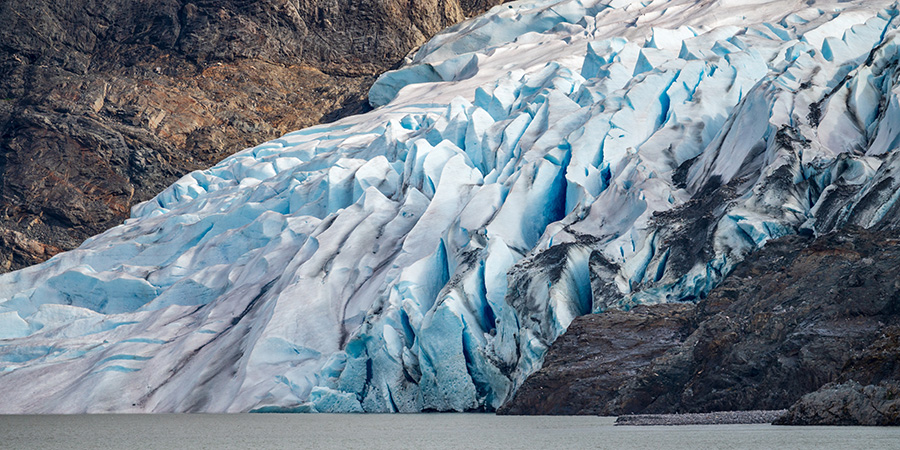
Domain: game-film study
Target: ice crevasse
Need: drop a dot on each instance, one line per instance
(542, 161)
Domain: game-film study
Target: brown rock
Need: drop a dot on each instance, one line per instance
(21, 250)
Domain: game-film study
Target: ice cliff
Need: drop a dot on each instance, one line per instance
(536, 163)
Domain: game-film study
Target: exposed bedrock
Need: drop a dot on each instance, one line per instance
(104, 104)
(797, 315)
(848, 403)
(586, 366)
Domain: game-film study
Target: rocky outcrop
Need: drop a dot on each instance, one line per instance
(796, 315)
(585, 368)
(22, 251)
(103, 104)
(847, 403)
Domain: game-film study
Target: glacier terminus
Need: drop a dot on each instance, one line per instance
(545, 160)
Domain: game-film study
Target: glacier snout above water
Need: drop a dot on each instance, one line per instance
(542, 161)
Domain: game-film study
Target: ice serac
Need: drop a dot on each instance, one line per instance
(542, 161)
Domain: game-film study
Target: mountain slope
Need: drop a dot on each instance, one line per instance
(105, 104)
(545, 160)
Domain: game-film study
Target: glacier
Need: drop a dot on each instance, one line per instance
(545, 160)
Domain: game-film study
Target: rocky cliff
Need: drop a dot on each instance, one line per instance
(104, 104)
(797, 315)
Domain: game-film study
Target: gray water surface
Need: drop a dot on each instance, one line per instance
(411, 431)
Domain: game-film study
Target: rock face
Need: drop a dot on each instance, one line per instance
(800, 313)
(847, 404)
(104, 104)
(586, 366)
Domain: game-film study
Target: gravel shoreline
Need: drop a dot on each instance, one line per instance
(713, 418)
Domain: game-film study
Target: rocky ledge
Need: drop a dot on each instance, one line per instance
(795, 316)
(104, 104)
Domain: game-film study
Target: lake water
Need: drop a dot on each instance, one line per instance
(413, 431)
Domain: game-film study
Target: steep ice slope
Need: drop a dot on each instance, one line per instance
(545, 160)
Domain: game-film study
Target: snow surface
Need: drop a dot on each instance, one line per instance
(530, 165)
